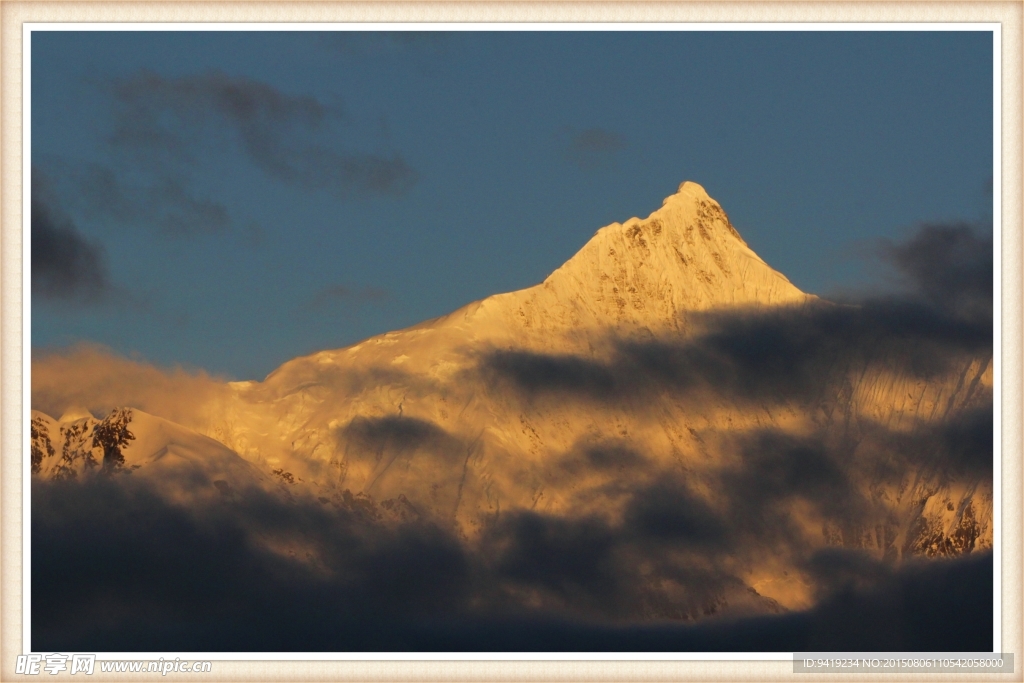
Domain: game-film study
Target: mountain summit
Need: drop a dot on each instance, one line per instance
(686, 256)
(644, 274)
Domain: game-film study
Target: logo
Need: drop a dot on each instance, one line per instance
(54, 663)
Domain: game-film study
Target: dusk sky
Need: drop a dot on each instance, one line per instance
(229, 201)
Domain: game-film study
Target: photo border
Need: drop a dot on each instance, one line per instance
(15, 339)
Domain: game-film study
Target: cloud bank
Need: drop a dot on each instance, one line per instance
(167, 205)
(949, 266)
(115, 567)
(162, 120)
(65, 265)
(92, 377)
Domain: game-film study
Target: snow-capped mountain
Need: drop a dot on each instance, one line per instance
(663, 378)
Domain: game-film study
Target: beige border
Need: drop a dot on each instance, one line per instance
(14, 14)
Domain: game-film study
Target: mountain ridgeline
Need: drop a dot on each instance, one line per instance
(679, 426)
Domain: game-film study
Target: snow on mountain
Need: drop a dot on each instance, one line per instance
(663, 379)
(184, 465)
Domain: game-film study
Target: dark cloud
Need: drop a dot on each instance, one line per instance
(167, 205)
(165, 119)
(920, 607)
(117, 568)
(65, 265)
(950, 266)
(606, 457)
(967, 442)
(371, 433)
(399, 453)
(775, 355)
(837, 570)
(572, 558)
(668, 511)
(765, 492)
(776, 467)
(255, 109)
(117, 565)
(548, 373)
(960, 445)
(591, 148)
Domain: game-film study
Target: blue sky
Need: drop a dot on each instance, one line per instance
(230, 200)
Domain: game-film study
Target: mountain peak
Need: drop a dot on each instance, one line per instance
(689, 190)
(642, 274)
(687, 253)
(690, 206)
